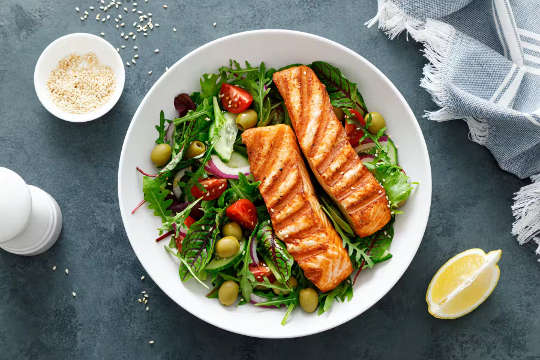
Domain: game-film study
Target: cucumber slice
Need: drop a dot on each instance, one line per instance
(218, 264)
(237, 160)
(223, 132)
(391, 150)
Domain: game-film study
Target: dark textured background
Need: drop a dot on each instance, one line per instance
(77, 164)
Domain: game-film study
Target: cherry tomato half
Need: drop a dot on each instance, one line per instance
(243, 212)
(358, 117)
(261, 271)
(354, 134)
(213, 188)
(234, 99)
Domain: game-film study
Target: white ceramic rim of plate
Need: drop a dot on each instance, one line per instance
(57, 50)
(427, 186)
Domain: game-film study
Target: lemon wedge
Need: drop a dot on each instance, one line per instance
(463, 283)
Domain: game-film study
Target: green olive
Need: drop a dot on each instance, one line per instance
(246, 119)
(339, 113)
(195, 149)
(228, 292)
(376, 123)
(161, 154)
(292, 283)
(309, 300)
(232, 229)
(227, 246)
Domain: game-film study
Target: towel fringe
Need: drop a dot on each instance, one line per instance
(393, 21)
(526, 211)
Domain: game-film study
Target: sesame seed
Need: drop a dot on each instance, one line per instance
(147, 308)
(142, 277)
(73, 293)
(165, 6)
(127, 63)
(150, 72)
(66, 271)
(118, 49)
(102, 33)
(145, 295)
(135, 47)
(151, 342)
(156, 51)
(214, 24)
(77, 9)
(123, 46)
(174, 29)
(133, 61)
(136, 56)
(91, 8)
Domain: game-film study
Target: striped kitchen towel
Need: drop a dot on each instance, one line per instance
(484, 67)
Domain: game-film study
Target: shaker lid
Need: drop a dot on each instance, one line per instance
(15, 204)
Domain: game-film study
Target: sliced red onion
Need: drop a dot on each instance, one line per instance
(218, 168)
(253, 250)
(368, 144)
(176, 189)
(169, 134)
(365, 158)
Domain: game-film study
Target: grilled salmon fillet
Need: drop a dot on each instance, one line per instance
(296, 214)
(331, 157)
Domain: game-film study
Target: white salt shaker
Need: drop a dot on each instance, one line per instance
(30, 219)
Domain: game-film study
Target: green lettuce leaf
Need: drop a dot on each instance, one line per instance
(155, 194)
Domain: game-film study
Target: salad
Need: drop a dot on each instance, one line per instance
(214, 220)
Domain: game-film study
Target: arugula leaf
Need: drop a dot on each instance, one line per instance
(339, 87)
(210, 85)
(177, 221)
(247, 279)
(242, 188)
(341, 292)
(198, 245)
(275, 253)
(359, 254)
(155, 194)
(161, 128)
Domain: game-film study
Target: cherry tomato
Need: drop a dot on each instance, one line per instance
(234, 99)
(243, 212)
(189, 221)
(213, 188)
(358, 117)
(354, 133)
(261, 271)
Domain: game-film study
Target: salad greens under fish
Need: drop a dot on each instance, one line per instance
(212, 213)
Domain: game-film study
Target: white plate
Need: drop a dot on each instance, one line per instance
(78, 43)
(276, 48)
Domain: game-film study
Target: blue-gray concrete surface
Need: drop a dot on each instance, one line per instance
(77, 164)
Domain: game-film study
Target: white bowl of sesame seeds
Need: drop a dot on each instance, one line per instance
(79, 77)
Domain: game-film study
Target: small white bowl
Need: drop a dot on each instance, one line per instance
(78, 43)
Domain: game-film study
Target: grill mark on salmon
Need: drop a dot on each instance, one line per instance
(296, 215)
(332, 159)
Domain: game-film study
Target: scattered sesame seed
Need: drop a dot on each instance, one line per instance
(165, 6)
(151, 342)
(150, 72)
(54, 268)
(66, 271)
(77, 9)
(136, 56)
(135, 47)
(102, 33)
(133, 61)
(147, 308)
(156, 51)
(118, 49)
(142, 277)
(127, 63)
(174, 29)
(73, 293)
(214, 24)
(123, 46)
(145, 295)
(91, 8)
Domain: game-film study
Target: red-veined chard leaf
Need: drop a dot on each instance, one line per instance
(198, 245)
(274, 253)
